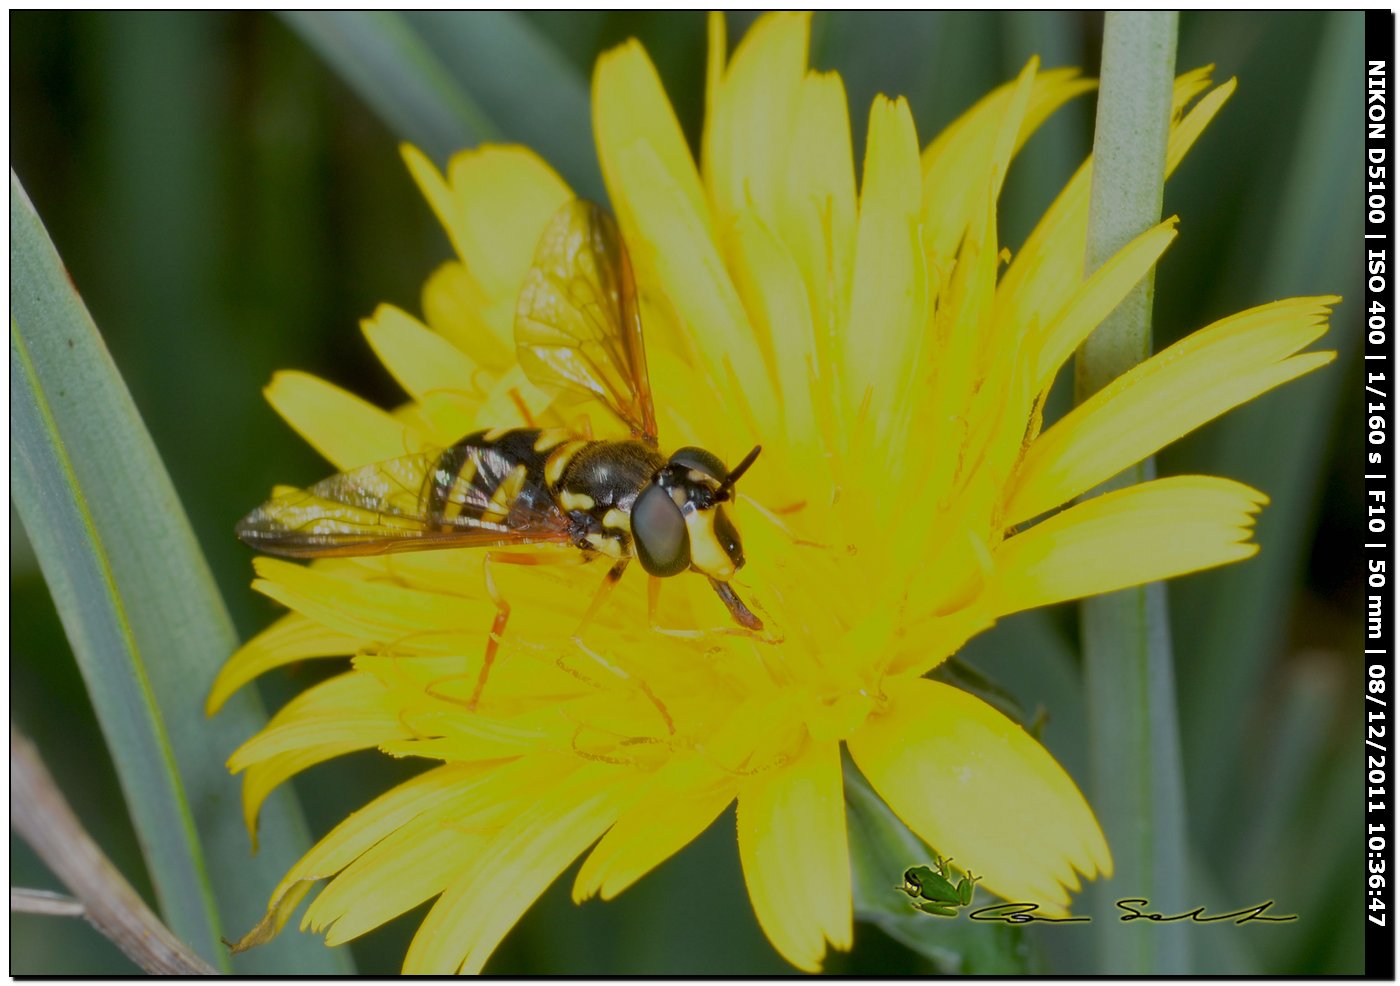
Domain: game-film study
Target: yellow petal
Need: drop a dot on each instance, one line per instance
(346, 430)
(1186, 129)
(261, 779)
(328, 712)
(1147, 532)
(453, 305)
(885, 331)
(1166, 396)
(777, 301)
(976, 788)
(292, 638)
(1096, 298)
(666, 224)
(385, 815)
(353, 836)
(629, 108)
(716, 52)
(501, 408)
(957, 163)
(818, 221)
(674, 248)
(792, 844)
(416, 861)
(473, 915)
(377, 611)
(422, 361)
(495, 203)
(1044, 272)
(284, 904)
(749, 128)
(970, 361)
(679, 803)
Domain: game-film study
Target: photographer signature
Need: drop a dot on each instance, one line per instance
(1133, 909)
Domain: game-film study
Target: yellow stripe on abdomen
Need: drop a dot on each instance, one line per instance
(460, 493)
(505, 494)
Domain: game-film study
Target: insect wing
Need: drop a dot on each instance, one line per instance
(415, 503)
(577, 324)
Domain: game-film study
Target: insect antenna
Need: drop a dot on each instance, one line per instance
(734, 474)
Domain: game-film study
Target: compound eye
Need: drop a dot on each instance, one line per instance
(659, 534)
(701, 461)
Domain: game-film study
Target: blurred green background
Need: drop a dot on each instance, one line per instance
(228, 206)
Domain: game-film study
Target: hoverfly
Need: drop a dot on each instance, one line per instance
(578, 329)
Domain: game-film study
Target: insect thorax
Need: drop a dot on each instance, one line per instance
(608, 474)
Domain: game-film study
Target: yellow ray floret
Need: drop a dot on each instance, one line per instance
(345, 429)
(347, 713)
(679, 802)
(422, 361)
(356, 607)
(1046, 269)
(661, 206)
(549, 826)
(358, 833)
(292, 638)
(970, 782)
(1095, 298)
(415, 862)
(494, 232)
(752, 112)
(1151, 531)
(1166, 396)
(454, 307)
(889, 293)
(792, 843)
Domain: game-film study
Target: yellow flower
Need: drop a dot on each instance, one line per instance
(866, 336)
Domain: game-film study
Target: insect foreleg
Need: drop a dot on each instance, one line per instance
(654, 603)
(654, 623)
(601, 596)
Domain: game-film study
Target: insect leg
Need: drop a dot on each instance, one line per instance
(745, 630)
(522, 407)
(498, 625)
(653, 603)
(604, 591)
(498, 629)
(601, 596)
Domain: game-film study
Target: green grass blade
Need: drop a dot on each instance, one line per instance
(141, 610)
(451, 80)
(1134, 749)
(527, 86)
(390, 68)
